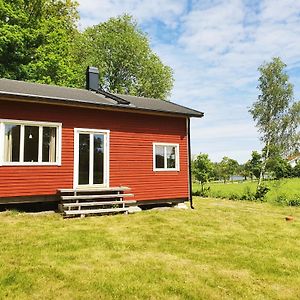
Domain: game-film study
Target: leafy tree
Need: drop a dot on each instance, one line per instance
(244, 170)
(275, 112)
(228, 167)
(124, 58)
(279, 167)
(216, 174)
(202, 169)
(296, 170)
(39, 42)
(36, 40)
(254, 164)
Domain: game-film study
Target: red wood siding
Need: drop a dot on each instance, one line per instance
(131, 151)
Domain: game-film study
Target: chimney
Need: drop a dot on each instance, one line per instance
(92, 79)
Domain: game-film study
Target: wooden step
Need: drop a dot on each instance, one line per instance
(97, 203)
(94, 211)
(95, 189)
(92, 201)
(90, 197)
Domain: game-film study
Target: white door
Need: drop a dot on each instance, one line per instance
(91, 158)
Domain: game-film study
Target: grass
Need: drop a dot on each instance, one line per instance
(220, 250)
(289, 188)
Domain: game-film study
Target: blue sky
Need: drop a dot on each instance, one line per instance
(215, 48)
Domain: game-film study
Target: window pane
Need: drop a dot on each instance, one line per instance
(49, 144)
(159, 157)
(31, 143)
(84, 158)
(12, 143)
(171, 157)
(98, 158)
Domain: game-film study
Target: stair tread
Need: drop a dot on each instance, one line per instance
(94, 211)
(95, 196)
(92, 189)
(97, 203)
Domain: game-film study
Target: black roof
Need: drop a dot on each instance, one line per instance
(74, 95)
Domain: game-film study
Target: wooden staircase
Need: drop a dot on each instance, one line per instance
(94, 201)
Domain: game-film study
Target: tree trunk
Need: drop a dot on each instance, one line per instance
(263, 165)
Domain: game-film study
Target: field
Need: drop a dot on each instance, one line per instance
(284, 188)
(220, 250)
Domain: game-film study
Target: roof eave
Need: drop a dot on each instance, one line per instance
(103, 105)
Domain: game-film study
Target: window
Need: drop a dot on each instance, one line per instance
(29, 143)
(165, 157)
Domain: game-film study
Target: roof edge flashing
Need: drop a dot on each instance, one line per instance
(118, 99)
(66, 100)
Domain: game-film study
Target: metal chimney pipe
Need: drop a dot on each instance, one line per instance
(92, 79)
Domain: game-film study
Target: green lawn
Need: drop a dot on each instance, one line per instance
(288, 188)
(220, 250)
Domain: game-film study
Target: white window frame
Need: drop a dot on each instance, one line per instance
(24, 123)
(177, 156)
(106, 147)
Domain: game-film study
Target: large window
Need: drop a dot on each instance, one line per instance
(29, 143)
(165, 157)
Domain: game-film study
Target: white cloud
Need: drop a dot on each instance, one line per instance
(214, 29)
(167, 11)
(235, 130)
(223, 44)
(215, 59)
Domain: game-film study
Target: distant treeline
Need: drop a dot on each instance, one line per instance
(204, 170)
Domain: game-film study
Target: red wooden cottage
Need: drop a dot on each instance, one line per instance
(89, 146)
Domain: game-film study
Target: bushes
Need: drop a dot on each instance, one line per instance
(261, 192)
(282, 199)
(283, 192)
(203, 193)
(248, 194)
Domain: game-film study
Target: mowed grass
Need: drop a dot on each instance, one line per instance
(289, 188)
(220, 250)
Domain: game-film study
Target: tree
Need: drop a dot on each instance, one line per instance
(40, 42)
(279, 167)
(216, 174)
(296, 170)
(126, 63)
(36, 40)
(244, 170)
(202, 169)
(276, 164)
(227, 167)
(275, 112)
(254, 164)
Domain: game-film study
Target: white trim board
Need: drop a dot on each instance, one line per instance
(106, 160)
(177, 157)
(39, 124)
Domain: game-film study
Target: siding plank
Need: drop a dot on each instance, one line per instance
(131, 145)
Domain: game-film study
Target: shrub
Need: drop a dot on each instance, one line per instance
(261, 192)
(196, 193)
(248, 195)
(202, 193)
(295, 201)
(233, 196)
(282, 199)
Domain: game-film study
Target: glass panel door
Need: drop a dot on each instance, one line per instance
(84, 158)
(98, 158)
(91, 158)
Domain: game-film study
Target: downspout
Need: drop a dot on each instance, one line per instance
(188, 122)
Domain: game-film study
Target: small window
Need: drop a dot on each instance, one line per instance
(166, 157)
(12, 142)
(49, 144)
(27, 143)
(31, 143)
